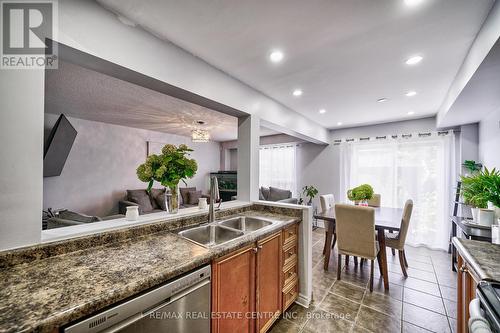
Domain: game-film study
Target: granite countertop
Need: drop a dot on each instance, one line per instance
(483, 257)
(44, 294)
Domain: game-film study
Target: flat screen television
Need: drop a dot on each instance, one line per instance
(57, 147)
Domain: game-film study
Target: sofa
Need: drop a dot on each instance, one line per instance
(276, 195)
(66, 218)
(155, 200)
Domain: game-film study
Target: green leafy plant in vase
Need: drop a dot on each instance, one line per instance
(480, 190)
(310, 192)
(360, 194)
(471, 166)
(169, 168)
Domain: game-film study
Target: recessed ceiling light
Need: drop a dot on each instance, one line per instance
(276, 56)
(382, 100)
(411, 93)
(339, 123)
(322, 111)
(297, 92)
(411, 113)
(414, 60)
(412, 3)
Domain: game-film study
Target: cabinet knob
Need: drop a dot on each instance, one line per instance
(290, 233)
(463, 269)
(259, 247)
(255, 249)
(290, 252)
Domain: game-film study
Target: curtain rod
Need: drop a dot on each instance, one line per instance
(393, 136)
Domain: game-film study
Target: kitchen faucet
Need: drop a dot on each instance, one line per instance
(214, 197)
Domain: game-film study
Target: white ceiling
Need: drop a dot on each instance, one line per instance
(86, 94)
(344, 54)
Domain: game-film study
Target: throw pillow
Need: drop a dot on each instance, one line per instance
(276, 194)
(140, 197)
(265, 192)
(184, 193)
(194, 196)
(158, 198)
(261, 195)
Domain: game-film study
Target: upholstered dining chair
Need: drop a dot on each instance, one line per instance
(356, 235)
(327, 201)
(396, 241)
(374, 201)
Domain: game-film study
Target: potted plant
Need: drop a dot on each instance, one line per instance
(471, 166)
(479, 190)
(310, 192)
(362, 194)
(169, 168)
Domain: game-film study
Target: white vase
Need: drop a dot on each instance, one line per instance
(495, 209)
(486, 217)
(475, 214)
(132, 213)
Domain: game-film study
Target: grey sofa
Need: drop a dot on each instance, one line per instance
(276, 195)
(155, 200)
(66, 218)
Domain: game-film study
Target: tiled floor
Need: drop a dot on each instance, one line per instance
(423, 302)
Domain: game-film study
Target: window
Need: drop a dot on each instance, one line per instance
(277, 167)
(420, 169)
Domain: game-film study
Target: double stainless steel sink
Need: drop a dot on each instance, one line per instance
(221, 232)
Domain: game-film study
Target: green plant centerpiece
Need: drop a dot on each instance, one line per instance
(169, 168)
(472, 166)
(310, 192)
(361, 193)
(481, 188)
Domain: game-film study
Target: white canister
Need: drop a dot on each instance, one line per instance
(202, 203)
(486, 217)
(495, 234)
(132, 213)
(475, 214)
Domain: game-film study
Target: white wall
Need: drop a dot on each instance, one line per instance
(21, 151)
(102, 166)
(489, 140)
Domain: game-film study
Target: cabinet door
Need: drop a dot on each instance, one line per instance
(233, 292)
(269, 275)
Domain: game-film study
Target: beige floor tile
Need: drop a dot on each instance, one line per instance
(284, 326)
(423, 286)
(297, 314)
(424, 318)
(410, 328)
(448, 293)
(340, 306)
(377, 322)
(383, 303)
(451, 308)
(424, 300)
(348, 290)
(324, 322)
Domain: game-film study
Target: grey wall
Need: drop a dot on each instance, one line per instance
(489, 140)
(102, 163)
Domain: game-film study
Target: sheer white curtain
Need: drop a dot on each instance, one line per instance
(277, 167)
(421, 169)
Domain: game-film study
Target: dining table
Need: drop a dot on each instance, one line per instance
(386, 219)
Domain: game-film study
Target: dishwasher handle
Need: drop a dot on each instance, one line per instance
(477, 322)
(118, 327)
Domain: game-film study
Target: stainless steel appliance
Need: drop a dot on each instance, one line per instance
(182, 305)
(484, 310)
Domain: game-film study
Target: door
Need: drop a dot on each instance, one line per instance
(268, 278)
(233, 292)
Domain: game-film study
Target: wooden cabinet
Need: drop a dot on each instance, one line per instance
(255, 284)
(233, 291)
(467, 281)
(268, 277)
(290, 286)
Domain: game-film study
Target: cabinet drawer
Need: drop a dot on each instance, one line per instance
(289, 254)
(290, 234)
(290, 273)
(290, 294)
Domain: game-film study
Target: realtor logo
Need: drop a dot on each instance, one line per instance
(27, 32)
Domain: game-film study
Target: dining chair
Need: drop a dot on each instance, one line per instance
(374, 201)
(396, 241)
(327, 201)
(356, 235)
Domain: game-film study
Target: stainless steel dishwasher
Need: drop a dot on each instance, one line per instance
(182, 305)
